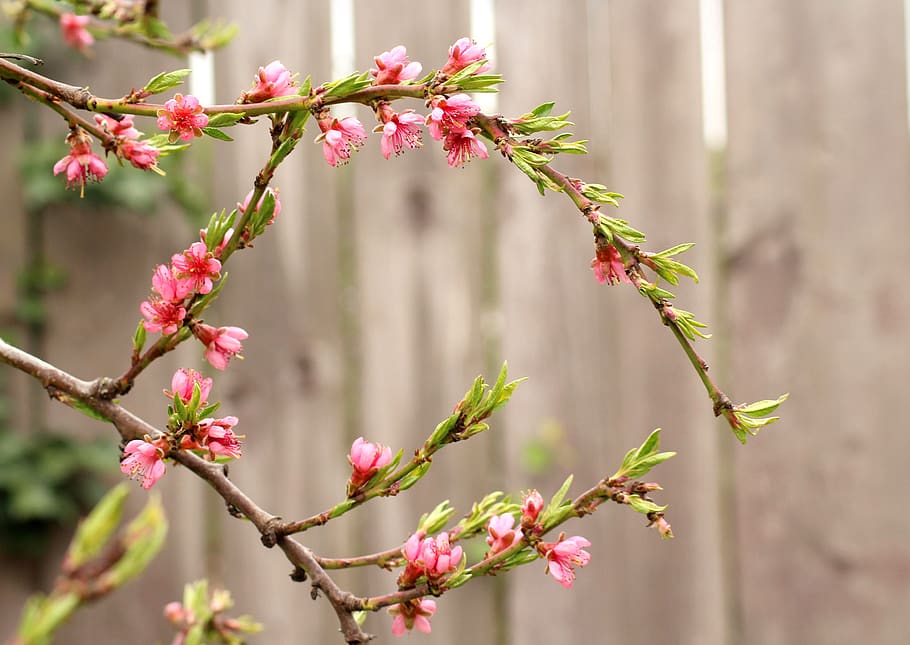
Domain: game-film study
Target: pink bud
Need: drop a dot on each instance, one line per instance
(366, 460)
(531, 508)
(500, 533)
(182, 384)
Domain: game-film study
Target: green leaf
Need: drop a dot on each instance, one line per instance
(87, 411)
(139, 338)
(224, 120)
(481, 83)
(215, 133)
(762, 408)
(180, 407)
(674, 250)
(348, 85)
(644, 506)
(640, 461)
(143, 539)
(557, 499)
(93, 532)
(539, 120)
(155, 28)
(165, 81)
(414, 476)
(306, 86)
(600, 194)
(622, 229)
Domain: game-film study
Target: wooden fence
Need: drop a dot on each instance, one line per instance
(386, 286)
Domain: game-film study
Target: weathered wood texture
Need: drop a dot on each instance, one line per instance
(818, 224)
(386, 286)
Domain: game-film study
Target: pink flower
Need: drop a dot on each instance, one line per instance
(74, 32)
(608, 265)
(500, 534)
(176, 614)
(465, 52)
(339, 138)
(427, 556)
(246, 203)
(81, 164)
(195, 268)
(462, 146)
(366, 459)
(141, 154)
(168, 286)
(563, 556)
(272, 81)
(531, 508)
(221, 344)
(450, 114)
(182, 384)
(399, 131)
(411, 614)
(161, 315)
(394, 67)
(218, 436)
(122, 128)
(143, 459)
(437, 557)
(183, 117)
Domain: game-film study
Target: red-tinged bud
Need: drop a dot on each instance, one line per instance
(531, 507)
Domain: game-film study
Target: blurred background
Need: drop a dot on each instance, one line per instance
(773, 134)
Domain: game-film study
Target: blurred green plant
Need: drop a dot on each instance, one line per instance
(97, 562)
(201, 618)
(46, 481)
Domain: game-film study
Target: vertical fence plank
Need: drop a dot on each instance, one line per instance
(626, 374)
(818, 162)
(288, 392)
(657, 159)
(419, 290)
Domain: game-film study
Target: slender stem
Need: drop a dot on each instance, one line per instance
(385, 559)
(722, 403)
(178, 45)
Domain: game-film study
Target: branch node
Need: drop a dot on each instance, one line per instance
(271, 532)
(298, 574)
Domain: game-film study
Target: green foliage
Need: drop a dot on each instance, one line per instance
(46, 481)
(753, 417)
(639, 461)
(165, 81)
(95, 564)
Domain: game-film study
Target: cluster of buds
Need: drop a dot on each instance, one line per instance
(191, 272)
(141, 154)
(190, 427)
(432, 558)
(204, 614)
